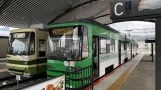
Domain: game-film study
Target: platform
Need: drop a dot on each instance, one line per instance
(3, 69)
(3, 65)
(142, 77)
(3, 60)
(126, 77)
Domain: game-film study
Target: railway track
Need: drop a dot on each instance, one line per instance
(6, 81)
(11, 83)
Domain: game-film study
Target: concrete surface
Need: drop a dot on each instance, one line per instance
(142, 77)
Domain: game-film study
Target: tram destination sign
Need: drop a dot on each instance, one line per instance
(124, 9)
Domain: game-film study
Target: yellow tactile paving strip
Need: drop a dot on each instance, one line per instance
(117, 84)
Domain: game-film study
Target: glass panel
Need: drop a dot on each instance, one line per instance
(19, 43)
(65, 43)
(103, 45)
(111, 47)
(85, 43)
(32, 44)
(116, 45)
(42, 48)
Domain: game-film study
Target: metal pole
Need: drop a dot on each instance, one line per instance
(158, 53)
(152, 52)
(17, 83)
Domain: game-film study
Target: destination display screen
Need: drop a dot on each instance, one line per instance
(62, 31)
(18, 35)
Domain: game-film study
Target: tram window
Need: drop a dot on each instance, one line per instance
(110, 48)
(103, 45)
(116, 45)
(42, 48)
(85, 42)
(113, 45)
(122, 46)
(110, 45)
(32, 43)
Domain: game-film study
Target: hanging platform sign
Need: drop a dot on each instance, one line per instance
(124, 9)
(150, 41)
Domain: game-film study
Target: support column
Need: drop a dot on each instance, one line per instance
(158, 53)
(152, 52)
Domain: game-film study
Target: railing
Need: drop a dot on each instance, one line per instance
(81, 79)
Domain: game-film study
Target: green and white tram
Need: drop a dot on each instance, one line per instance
(78, 44)
(27, 52)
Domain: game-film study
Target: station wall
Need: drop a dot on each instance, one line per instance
(3, 46)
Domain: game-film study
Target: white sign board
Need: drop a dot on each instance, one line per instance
(53, 84)
(18, 77)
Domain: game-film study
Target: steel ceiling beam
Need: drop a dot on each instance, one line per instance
(101, 16)
(5, 5)
(70, 10)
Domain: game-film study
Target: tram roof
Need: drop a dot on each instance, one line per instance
(94, 22)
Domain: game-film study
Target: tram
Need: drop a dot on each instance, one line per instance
(78, 44)
(27, 52)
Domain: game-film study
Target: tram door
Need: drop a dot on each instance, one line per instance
(119, 48)
(95, 56)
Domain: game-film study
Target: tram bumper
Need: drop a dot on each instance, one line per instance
(23, 70)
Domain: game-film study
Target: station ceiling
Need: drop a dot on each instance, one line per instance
(23, 13)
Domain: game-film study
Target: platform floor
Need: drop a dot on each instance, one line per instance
(142, 77)
(136, 74)
(3, 69)
(113, 80)
(3, 62)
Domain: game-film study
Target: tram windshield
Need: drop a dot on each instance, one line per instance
(65, 43)
(21, 43)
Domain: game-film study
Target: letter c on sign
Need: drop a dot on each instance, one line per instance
(118, 14)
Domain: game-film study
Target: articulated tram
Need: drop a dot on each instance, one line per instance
(78, 44)
(27, 52)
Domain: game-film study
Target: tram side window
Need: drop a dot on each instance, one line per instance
(129, 46)
(42, 48)
(111, 47)
(85, 43)
(116, 45)
(32, 44)
(102, 45)
(122, 46)
(108, 45)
